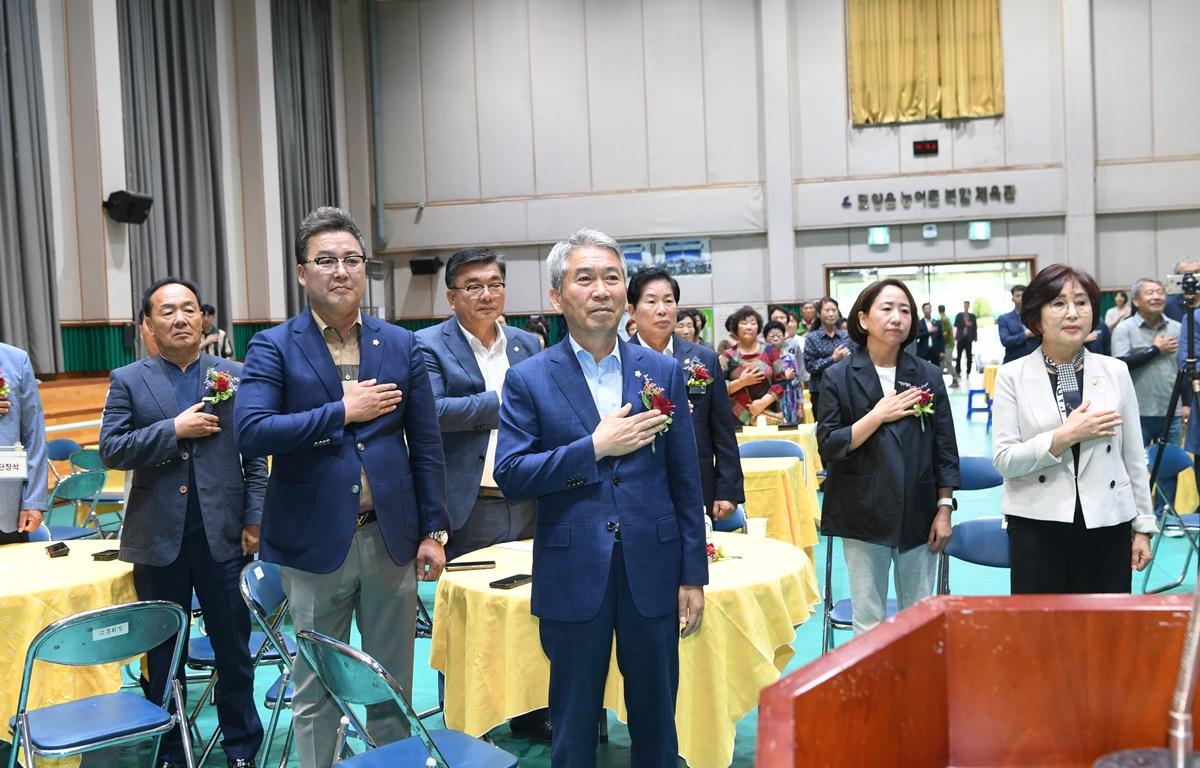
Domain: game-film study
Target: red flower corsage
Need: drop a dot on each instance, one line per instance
(924, 407)
(220, 385)
(3, 386)
(698, 376)
(655, 398)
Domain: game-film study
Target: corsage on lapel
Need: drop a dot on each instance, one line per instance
(924, 406)
(655, 398)
(698, 376)
(4, 390)
(220, 385)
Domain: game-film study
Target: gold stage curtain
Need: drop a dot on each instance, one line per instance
(911, 60)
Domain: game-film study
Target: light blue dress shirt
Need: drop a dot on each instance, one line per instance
(603, 378)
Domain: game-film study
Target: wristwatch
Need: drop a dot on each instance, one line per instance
(948, 502)
(441, 537)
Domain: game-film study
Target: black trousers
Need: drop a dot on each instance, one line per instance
(228, 622)
(1068, 558)
(13, 538)
(963, 347)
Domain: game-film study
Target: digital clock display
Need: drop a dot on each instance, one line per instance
(926, 147)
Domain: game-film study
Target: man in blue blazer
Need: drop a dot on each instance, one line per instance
(653, 297)
(467, 357)
(620, 528)
(356, 505)
(195, 504)
(1018, 340)
(22, 502)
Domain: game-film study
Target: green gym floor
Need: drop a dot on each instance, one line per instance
(973, 439)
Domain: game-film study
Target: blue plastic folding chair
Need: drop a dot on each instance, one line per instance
(81, 488)
(262, 590)
(87, 460)
(60, 450)
(772, 449)
(977, 473)
(102, 636)
(838, 615)
(354, 678)
(1174, 461)
(41, 533)
(735, 523)
(982, 541)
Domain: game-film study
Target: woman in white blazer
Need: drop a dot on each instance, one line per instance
(1068, 443)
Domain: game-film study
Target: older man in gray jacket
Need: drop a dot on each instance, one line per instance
(22, 501)
(193, 512)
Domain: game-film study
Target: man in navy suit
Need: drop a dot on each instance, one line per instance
(653, 297)
(1018, 340)
(195, 503)
(356, 506)
(930, 342)
(467, 357)
(620, 527)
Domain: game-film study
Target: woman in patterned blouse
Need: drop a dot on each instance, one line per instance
(754, 370)
(824, 346)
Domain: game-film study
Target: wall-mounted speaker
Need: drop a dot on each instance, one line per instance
(128, 207)
(425, 266)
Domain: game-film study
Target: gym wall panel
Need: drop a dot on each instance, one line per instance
(558, 89)
(448, 100)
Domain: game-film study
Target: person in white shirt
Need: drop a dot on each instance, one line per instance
(467, 357)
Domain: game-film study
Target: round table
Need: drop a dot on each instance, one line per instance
(485, 641)
(776, 489)
(35, 591)
(804, 435)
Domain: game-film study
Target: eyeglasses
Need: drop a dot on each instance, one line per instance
(475, 290)
(353, 263)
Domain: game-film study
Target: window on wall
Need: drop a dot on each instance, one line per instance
(912, 60)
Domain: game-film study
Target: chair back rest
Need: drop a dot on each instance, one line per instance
(767, 449)
(262, 591)
(107, 635)
(61, 449)
(977, 473)
(1174, 460)
(981, 541)
(87, 459)
(81, 486)
(354, 677)
(41, 533)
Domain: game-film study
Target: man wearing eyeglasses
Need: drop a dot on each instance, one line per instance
(355, 510)
(467, 357)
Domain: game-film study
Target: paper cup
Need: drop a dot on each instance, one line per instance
(761, 422)
(757, 526)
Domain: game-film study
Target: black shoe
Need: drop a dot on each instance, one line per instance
(532, 725)
(242, 762)
(424, 628)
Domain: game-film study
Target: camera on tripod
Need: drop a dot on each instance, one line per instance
(1186, 284)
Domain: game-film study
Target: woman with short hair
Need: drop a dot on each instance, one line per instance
(886, 437)
(1067, 440)
(753, 369)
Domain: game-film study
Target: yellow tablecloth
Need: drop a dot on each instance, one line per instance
(486, 643)
(1186, 496)
(777, 490)
(989, 380)
(36, 591)
(804, 435)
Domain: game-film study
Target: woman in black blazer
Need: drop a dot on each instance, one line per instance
(886, 437)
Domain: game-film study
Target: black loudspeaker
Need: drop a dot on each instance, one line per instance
(425, 266)
(128, 207)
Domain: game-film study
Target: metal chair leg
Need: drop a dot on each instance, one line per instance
(603, 726)
(184, 731)
(287, 746)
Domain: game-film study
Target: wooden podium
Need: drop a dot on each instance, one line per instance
(1031, 680)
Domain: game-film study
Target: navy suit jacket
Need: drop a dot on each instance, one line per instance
(651, 497)
(137, 434)
(929, 345)
(1012, 336)
(289, 405)
(712, 418)
(466, 411)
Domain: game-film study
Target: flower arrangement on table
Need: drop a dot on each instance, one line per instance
(717, 554)
(220, 385)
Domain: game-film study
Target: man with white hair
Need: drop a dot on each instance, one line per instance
(619, 542)
(1147, 342)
